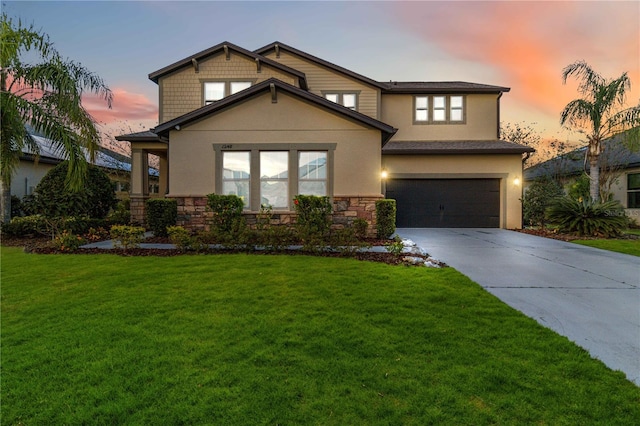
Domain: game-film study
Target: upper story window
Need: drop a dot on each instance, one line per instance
(346, 99)
(633, 191)
(216, 90)
(446, 109)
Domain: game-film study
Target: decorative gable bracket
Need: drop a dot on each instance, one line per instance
(274, 94)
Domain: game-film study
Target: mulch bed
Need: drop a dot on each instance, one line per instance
(41, 245)
(549, 233)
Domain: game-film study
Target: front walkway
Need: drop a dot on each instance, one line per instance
(589, 295)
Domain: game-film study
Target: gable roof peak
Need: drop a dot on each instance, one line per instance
(225, 47)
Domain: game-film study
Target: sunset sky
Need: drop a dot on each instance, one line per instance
(521, 45)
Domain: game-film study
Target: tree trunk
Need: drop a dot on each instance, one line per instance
(594, 178)
(5, 201)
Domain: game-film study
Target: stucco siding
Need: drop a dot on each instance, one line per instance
(28, 175)
(321, 79)
(481, 119)
(289, 121)
(504, 167)
(182, 91)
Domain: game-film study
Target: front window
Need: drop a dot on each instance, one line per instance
(633, 191)
(422, 108)
(217, 90)
(274, 179)
(312, 173)
(272, 174)
(213, 91)
(440, 109)
(236, 174)
(347, 100)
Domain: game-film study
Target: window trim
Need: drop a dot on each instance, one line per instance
(227, 86)
(254, 183)
(632, 190)
(340, 94)
(447, 109)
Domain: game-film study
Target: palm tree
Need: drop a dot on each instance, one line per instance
(600, 114)
(45, 97)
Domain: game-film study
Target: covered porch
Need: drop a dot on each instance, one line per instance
(144, 144)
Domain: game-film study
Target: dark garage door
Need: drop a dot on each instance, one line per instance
(446, 203)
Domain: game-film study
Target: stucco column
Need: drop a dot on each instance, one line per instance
(139, 172)
(164, 175)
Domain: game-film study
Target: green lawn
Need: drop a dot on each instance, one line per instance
(251, 339)
(621, 246)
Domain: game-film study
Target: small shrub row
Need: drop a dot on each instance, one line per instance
(51, 226)
(127, 236)
(161, 213)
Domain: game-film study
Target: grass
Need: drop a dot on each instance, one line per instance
(241, 339)
(631, 247)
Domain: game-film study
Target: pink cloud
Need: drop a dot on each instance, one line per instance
(529, 43)
(126, 106)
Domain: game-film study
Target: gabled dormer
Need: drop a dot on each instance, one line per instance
(214, 74)
(331, 81)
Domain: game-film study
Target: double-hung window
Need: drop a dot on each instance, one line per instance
(346, 99)
(312, 173)
(216, 90)
(236, 174)
(274, 179)
(439, 109)
(633, 191)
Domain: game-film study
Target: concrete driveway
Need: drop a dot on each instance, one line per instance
(589, 295)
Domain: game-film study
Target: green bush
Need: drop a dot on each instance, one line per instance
(121, 215)
(360, 227)
(395, 247)
(227, 213)
(580, 187)
(127, 236)
(314, 220)
(25, 225)
(184, 240)
(95, 199)
(385, 218)
(68, 242)
(587, 218)
(161, 213)
(537, 198)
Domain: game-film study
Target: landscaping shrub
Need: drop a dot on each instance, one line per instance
(95, 199)
(360, 228)
(537, 198)
(314, 220)
(16, 207)
(121, 215)
(580, 187)
(587, 218)
(395, 247)
(184, 240)
(227, 213)
(385, 218)
(161, 213)
(68, 242)
(25, 225)
(127, 236)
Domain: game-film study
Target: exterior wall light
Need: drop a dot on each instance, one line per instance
(384, 174)
(516, 181)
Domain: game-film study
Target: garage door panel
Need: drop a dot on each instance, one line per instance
(450, 203)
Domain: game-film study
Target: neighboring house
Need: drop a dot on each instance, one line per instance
(275, 122)
(619, 171)
(31, 171)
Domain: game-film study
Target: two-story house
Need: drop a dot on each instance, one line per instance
(275, 122)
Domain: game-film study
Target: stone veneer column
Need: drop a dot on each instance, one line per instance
(138, 209)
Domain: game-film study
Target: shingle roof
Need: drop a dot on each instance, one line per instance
(193, 116)
(440, 87)
(146, 136)
(188, 61)
(615, 153)
(454, 147)
(272, 46)
(50, 154)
